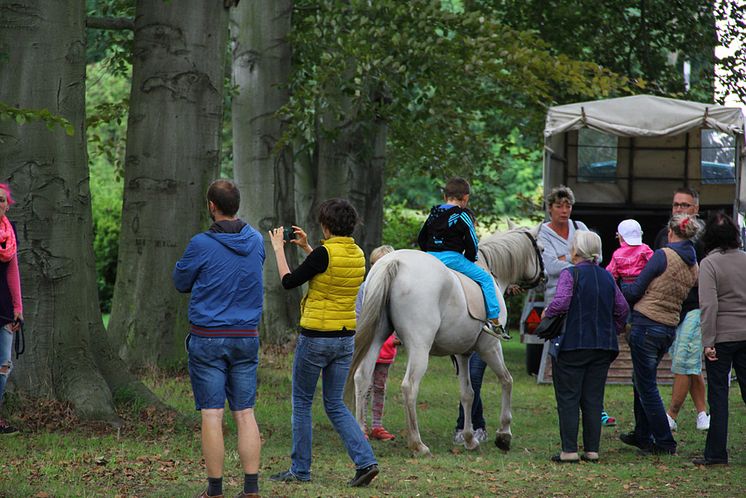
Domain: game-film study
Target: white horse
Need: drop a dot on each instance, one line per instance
(413, 293)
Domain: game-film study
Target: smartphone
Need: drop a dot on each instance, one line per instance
(288, 233)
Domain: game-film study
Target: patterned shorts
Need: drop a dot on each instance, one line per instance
(686, 351)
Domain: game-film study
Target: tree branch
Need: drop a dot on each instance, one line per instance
(113, 23)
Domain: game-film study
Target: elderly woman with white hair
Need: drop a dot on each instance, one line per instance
(596, 312)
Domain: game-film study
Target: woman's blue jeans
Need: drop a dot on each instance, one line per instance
(329, 357)
(6, 351)
(648, 344)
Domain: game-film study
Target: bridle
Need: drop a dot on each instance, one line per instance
(540, 277)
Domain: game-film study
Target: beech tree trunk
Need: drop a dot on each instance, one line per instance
(173, 144)
(349, 163)
(261, 68)
(67, 354)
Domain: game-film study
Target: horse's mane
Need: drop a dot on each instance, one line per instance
(507, 254)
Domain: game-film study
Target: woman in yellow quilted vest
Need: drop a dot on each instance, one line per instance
(334, 272)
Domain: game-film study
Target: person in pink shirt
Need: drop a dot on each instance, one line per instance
(632, 255)
(11, 305)
(377, 392)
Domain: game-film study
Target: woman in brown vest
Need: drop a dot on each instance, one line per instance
(657, 295)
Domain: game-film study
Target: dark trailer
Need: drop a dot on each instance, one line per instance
(623, 158)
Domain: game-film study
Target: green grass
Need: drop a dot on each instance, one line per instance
(154, 459)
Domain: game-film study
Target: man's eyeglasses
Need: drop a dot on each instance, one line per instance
(682, 205)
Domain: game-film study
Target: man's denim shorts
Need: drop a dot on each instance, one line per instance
(223, 367)
(686, 351)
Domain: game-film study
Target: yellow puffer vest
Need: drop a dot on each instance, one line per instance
(329, 305)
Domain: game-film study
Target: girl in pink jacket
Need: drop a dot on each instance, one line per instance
(377, 392)
(628, 261)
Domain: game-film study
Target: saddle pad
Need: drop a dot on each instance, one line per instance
(475, 299)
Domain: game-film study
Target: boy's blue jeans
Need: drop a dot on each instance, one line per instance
(457, 261)
(329, 357)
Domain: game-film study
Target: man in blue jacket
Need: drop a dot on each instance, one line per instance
(222, 269)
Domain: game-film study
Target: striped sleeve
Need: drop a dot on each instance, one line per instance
(470, 240)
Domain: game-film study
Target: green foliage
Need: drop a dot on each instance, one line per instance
(106, 116)
(647, 42)
(436, 76)
(23, 116)
(113, 47)
(732, 75)
(401, 225)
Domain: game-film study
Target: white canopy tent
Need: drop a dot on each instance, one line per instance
(633, 151)
(643, 116)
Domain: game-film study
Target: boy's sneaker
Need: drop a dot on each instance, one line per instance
(364, 476)
(8, 430)
(458, 437)
(494, 328)
(672, 423)
(703, 421)
(381, 434)
(480, 435)
(607, 421)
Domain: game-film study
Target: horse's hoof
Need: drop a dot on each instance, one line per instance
(422, 451)
(473, 445)
(502, 440)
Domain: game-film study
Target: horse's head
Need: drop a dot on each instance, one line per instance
(514, 256)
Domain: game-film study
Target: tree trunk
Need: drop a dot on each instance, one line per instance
(172, 155)
(67, 355)
(350, 164)
(261, 69)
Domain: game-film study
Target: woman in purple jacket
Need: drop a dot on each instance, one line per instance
(581, 356)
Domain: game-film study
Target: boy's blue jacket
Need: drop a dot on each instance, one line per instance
(223, 271)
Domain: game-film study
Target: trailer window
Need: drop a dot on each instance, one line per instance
(597, 156)
(718, 164)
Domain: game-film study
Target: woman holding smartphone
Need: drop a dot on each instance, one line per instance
(334, 272)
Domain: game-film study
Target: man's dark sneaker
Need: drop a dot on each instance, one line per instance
(6, 429)
(631, 439)
(704, 461)
(655, 450)
(364, 476)
(287, 476)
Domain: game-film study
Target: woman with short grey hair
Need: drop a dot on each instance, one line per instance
(596, 312)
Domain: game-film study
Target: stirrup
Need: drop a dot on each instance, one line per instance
(496, 330)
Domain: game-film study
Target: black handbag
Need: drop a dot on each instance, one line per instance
(554, 326)
(551, 327)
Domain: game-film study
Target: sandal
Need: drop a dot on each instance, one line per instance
(607, 421)
(558, 459)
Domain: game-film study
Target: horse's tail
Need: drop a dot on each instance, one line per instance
(374, 319)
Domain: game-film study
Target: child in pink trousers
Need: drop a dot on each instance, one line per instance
(628, 261)
(386, 357)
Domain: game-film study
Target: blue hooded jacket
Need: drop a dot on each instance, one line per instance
(223, 271)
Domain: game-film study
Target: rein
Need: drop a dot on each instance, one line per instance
(541, 274)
